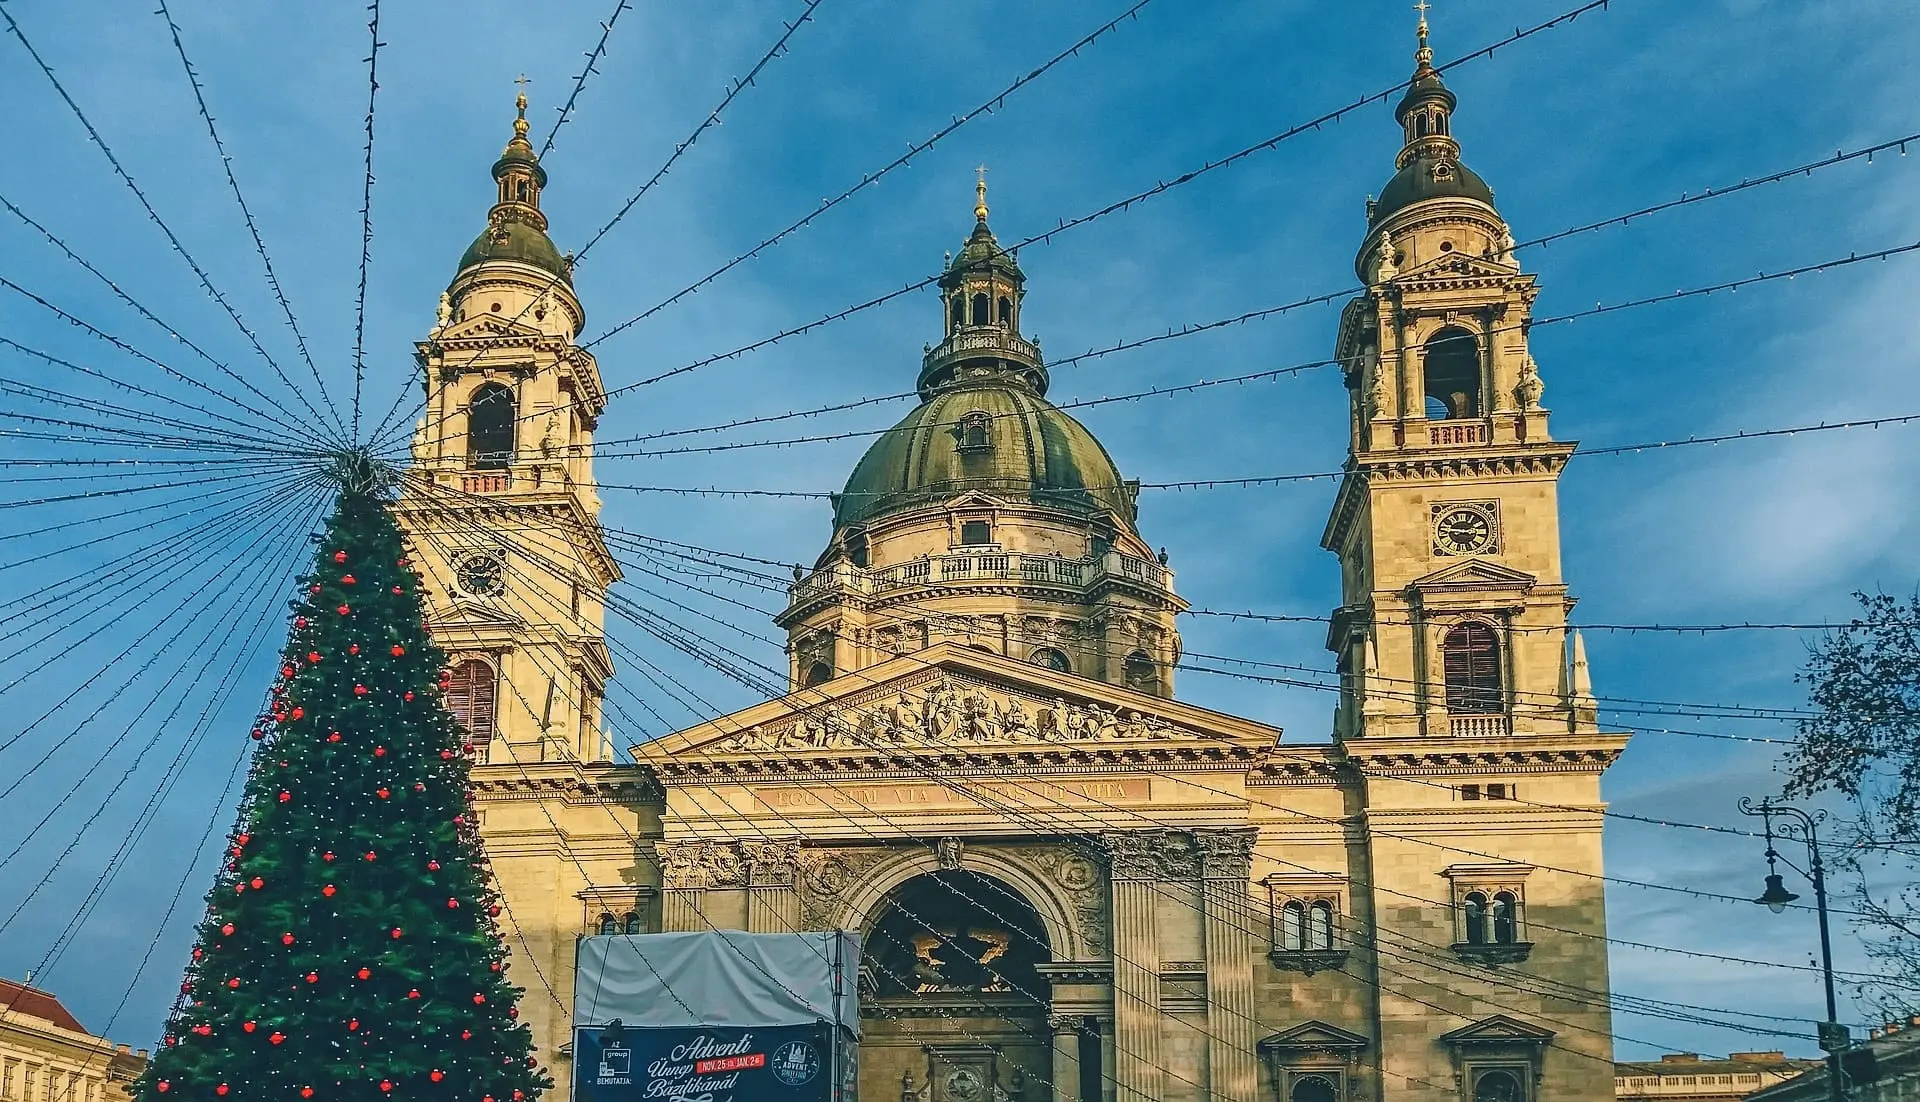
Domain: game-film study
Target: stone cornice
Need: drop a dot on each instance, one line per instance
(876, 764)
(571, 782)
(1587, 753)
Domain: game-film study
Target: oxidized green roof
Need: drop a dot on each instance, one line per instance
(522, 243)
(1038, 454)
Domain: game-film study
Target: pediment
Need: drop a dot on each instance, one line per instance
(1475, 574)
(473, 614)
(1459, 266)
(1315, 1036)
(950, 700)
(486, 326)
(1498, 1030)
(975, 499)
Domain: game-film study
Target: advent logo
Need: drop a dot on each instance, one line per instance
(795, 1063)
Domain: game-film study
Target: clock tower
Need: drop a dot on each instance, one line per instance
(1465, 711)
(1453, 620)
(499, 504)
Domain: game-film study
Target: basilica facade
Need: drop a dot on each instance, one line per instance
(1070, 884)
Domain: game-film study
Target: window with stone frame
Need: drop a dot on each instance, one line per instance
(1498, 1059)
(620, 909)
(1304, 928)
(1489, 913)
(1312, 1062)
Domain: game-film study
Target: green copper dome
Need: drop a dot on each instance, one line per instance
(1032, 452)
(519, 242)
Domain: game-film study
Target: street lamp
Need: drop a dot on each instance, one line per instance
(1833, 1035)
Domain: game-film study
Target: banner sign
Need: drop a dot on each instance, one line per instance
(703, 1064)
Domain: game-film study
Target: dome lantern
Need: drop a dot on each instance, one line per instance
(516, 228)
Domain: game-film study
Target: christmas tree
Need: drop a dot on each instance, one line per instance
(349, 950)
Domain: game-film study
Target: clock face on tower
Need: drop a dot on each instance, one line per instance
(480, 574)
(1466, 528)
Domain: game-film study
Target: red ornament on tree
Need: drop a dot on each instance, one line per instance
(299, 621)
(379, 751)
(354, 649)
(478, 998)
(313, 589)
(365, 973)
(313, 657)
(369, 855)
(445, 755)
(359, 690)
(221, 1089)
(382, 793)
(227, 930)
(243, 839)
(414, 994)
(397, 591)
(258, 734)
(286, 939)
(276, 1037)
(299, 713)
(346, 579)
(249, 1026)
(396, 933)
(453, 904)
(285, 796)
(466, 1035)
(328, 856)
(344, 610)
(163, 1086)
(513, 1012)
(386, 1084)
(408, 696)
(256, 883)
(334, 737)
(436, 1075)
(339, 556)
(433, 866)
(306, 1092)
(286, 671)
(328, 890)
(313, 977)
(398, 650)
(234, 982)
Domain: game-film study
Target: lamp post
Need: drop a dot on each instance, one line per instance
(1833, 1035)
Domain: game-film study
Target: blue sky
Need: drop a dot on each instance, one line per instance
(1614, 112)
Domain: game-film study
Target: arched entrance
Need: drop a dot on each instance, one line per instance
(954, 1002)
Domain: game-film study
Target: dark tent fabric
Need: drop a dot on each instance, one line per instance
(718, 978)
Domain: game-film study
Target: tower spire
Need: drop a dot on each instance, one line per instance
(1422, 57)
(980, 195)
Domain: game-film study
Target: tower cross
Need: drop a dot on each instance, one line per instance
(980, 191)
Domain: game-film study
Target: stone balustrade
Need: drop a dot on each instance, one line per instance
(971, 567)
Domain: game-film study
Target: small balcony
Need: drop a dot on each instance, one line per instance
(974, 339)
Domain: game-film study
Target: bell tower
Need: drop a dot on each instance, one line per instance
(499, 503)
(1454, 613)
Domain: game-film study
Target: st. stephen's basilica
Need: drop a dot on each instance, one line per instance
(1070, 885)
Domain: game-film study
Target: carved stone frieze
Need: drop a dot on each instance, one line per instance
(948, 710)
(700, 864)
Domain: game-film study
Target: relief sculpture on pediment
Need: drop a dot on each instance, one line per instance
(948, 711)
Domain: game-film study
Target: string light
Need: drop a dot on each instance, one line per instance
(246, 215)
(580, 82)
(366, 217)
(206, 282)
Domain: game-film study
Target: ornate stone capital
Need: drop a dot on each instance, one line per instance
(1226, 854)
(1064, 1023)
(771, 864)
(699, 864)
(1152, 855)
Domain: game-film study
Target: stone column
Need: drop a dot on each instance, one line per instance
(1139, 1072)
(1232, 1057)
(773, 903)
(1066, 1056)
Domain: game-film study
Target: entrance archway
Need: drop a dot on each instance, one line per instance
(955, 933)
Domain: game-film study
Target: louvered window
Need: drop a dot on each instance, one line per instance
(1472, 669)
(470, 699)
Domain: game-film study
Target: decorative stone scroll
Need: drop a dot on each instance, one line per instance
(947, 711)
(1154, 854)
(700, 864)
(771, 864)
(1226, 854)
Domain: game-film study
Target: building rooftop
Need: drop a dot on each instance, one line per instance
(35, 1003)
